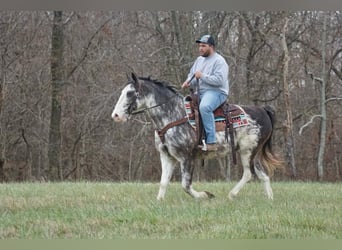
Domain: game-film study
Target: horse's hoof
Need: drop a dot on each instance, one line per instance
(159, 198)
(231, 196)
(210, 195)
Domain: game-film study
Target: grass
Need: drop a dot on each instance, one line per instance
(130, 211)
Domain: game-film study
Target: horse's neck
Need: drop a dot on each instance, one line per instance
(169, 111)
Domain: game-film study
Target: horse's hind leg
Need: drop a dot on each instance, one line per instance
(187, 170)
(168, 166)
(259, 171)
(247, 175)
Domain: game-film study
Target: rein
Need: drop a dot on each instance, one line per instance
(162, 132)
(135, 112)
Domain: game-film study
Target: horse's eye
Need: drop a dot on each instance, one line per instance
(131, 94)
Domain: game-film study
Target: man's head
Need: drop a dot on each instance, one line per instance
(206, 45)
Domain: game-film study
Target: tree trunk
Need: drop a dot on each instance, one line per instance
(2, 158)
(323, 127)
(176, 28)
(54, 152)
(288, 126)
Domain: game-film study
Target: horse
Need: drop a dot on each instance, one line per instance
(178, 144)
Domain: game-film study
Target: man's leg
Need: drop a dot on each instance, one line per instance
(210, 101)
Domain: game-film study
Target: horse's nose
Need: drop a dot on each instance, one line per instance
(115, 116)
(118, 118)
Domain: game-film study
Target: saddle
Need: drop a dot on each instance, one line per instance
(227, 117)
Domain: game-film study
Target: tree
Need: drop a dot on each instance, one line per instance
(323, 82)
(57, 75)
(288, 124)
(323, 127)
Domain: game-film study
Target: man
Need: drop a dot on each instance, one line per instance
(211, 73)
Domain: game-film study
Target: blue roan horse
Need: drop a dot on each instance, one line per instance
(165, 105)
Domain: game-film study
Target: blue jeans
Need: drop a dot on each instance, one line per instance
(210, 100)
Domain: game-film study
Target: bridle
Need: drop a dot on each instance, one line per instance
(132, 107)
(161, 132)
(135, 112)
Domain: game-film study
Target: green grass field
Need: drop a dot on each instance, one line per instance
(131, 211)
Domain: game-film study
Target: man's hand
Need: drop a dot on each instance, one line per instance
(185, 84)
(198, 74)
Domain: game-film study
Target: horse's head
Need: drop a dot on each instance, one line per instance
(128, 101)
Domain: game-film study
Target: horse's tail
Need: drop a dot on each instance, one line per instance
(269, 159)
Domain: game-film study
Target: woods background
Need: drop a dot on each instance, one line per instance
(62, 72)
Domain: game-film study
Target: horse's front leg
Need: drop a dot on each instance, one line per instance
(187, 167)
(168, 166)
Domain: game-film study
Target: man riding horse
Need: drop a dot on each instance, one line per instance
(210, 71)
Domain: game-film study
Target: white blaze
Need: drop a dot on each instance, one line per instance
(119, 112)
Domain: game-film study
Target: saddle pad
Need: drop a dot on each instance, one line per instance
(220, 122)
(239, 121)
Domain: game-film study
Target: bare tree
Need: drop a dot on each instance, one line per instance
(57, 78)
(288, 124)
(324, 85)
(323, 130)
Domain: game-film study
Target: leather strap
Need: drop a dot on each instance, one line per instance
(163, 131)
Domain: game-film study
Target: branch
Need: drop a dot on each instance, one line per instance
(85, 49)
(333, 99)
(315, 116)
(314, 78)
(268, 100)
(308, 123)
(318, 54)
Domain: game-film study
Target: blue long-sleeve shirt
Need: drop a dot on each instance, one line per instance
(215, 72)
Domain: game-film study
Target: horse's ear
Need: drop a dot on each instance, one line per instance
(134, 77)
(136, 80)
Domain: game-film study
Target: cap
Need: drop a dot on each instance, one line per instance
(208, 39)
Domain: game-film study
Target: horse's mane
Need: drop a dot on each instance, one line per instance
(161, 83)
